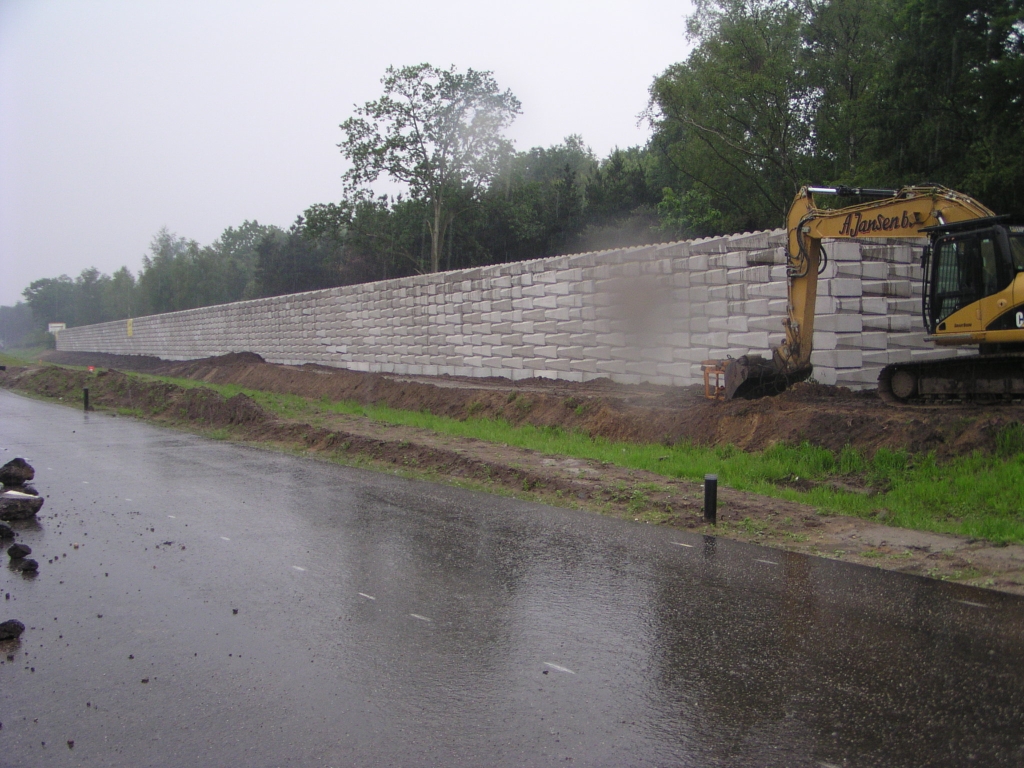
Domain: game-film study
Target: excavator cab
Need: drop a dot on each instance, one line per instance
(972, 291)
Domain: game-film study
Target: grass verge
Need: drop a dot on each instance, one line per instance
(27, 356)
(978, 496)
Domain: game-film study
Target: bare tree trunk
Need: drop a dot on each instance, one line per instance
(435, 237)
(437, 229)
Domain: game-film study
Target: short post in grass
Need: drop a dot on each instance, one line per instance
(85, 398)
(711, 499)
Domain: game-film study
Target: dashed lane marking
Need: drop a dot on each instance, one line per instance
(421, 618)
(766, 562)
(368, 597)
(973, 605)
(225, 538)
(680, 544)
(298, 568)
(558, 668)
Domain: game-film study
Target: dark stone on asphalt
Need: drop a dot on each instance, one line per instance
(6, 532)
(11, 629)
(28, 566)
(15, 505)
(17, 551)
(16, 472)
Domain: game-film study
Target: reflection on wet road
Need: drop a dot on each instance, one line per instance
(204, 604)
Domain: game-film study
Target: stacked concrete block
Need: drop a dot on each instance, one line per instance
(643, 314)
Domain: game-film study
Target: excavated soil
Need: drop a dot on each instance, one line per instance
(830, 417)
(825, 416)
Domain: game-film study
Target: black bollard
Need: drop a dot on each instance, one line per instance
(711, 499)
(85, 397)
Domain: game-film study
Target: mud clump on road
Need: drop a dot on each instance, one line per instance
(16, 505)
(11, 629)
(18, 499)
(16, 473)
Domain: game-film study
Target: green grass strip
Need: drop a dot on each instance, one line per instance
(17, 356)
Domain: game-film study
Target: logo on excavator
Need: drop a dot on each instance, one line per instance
(854, 224)
(1020, 319)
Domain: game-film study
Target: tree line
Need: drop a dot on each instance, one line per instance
(775, 94)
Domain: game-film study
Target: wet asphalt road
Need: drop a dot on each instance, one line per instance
(387, 622)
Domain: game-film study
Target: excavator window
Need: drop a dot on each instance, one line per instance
(957, 273)
(990, 267)
(1017, 252)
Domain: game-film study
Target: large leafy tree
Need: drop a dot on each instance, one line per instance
(16, 326)
(439, 131)
(293, 261)
(52, 300)
(735, 119)
(779, 93)
(534, 206)
(952, 109)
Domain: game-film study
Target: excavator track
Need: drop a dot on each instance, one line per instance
(989, 379)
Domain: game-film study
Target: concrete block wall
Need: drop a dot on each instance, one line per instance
(643, 314)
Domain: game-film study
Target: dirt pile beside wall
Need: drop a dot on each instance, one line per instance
(829, 417)
(115, 390)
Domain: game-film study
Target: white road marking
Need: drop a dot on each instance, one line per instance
(421, 618)
(127, 499)
(171, 516)
(766, 562)
(225, 538)
(680, 544)
(85, 482)
(973, 605)
(298, 568)
(368, 597)
(558, 668)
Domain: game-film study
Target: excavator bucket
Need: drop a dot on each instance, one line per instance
(751, 376)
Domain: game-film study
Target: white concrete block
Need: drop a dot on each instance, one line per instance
(753, 340)
(734, 323)
(839, 323)
(836, 358)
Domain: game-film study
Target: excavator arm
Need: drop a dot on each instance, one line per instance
(895, 213)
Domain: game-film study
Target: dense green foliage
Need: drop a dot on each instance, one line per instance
(881, 93)
(16, 326)
(774, 94)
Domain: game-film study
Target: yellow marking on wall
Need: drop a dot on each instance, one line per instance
(129, 326)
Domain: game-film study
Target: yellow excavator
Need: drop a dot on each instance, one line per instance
(973, 294)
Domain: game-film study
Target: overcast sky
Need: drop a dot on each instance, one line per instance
(118, 118)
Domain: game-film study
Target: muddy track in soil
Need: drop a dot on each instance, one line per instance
(826, 416)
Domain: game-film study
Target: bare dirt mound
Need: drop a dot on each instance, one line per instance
(829, 417)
